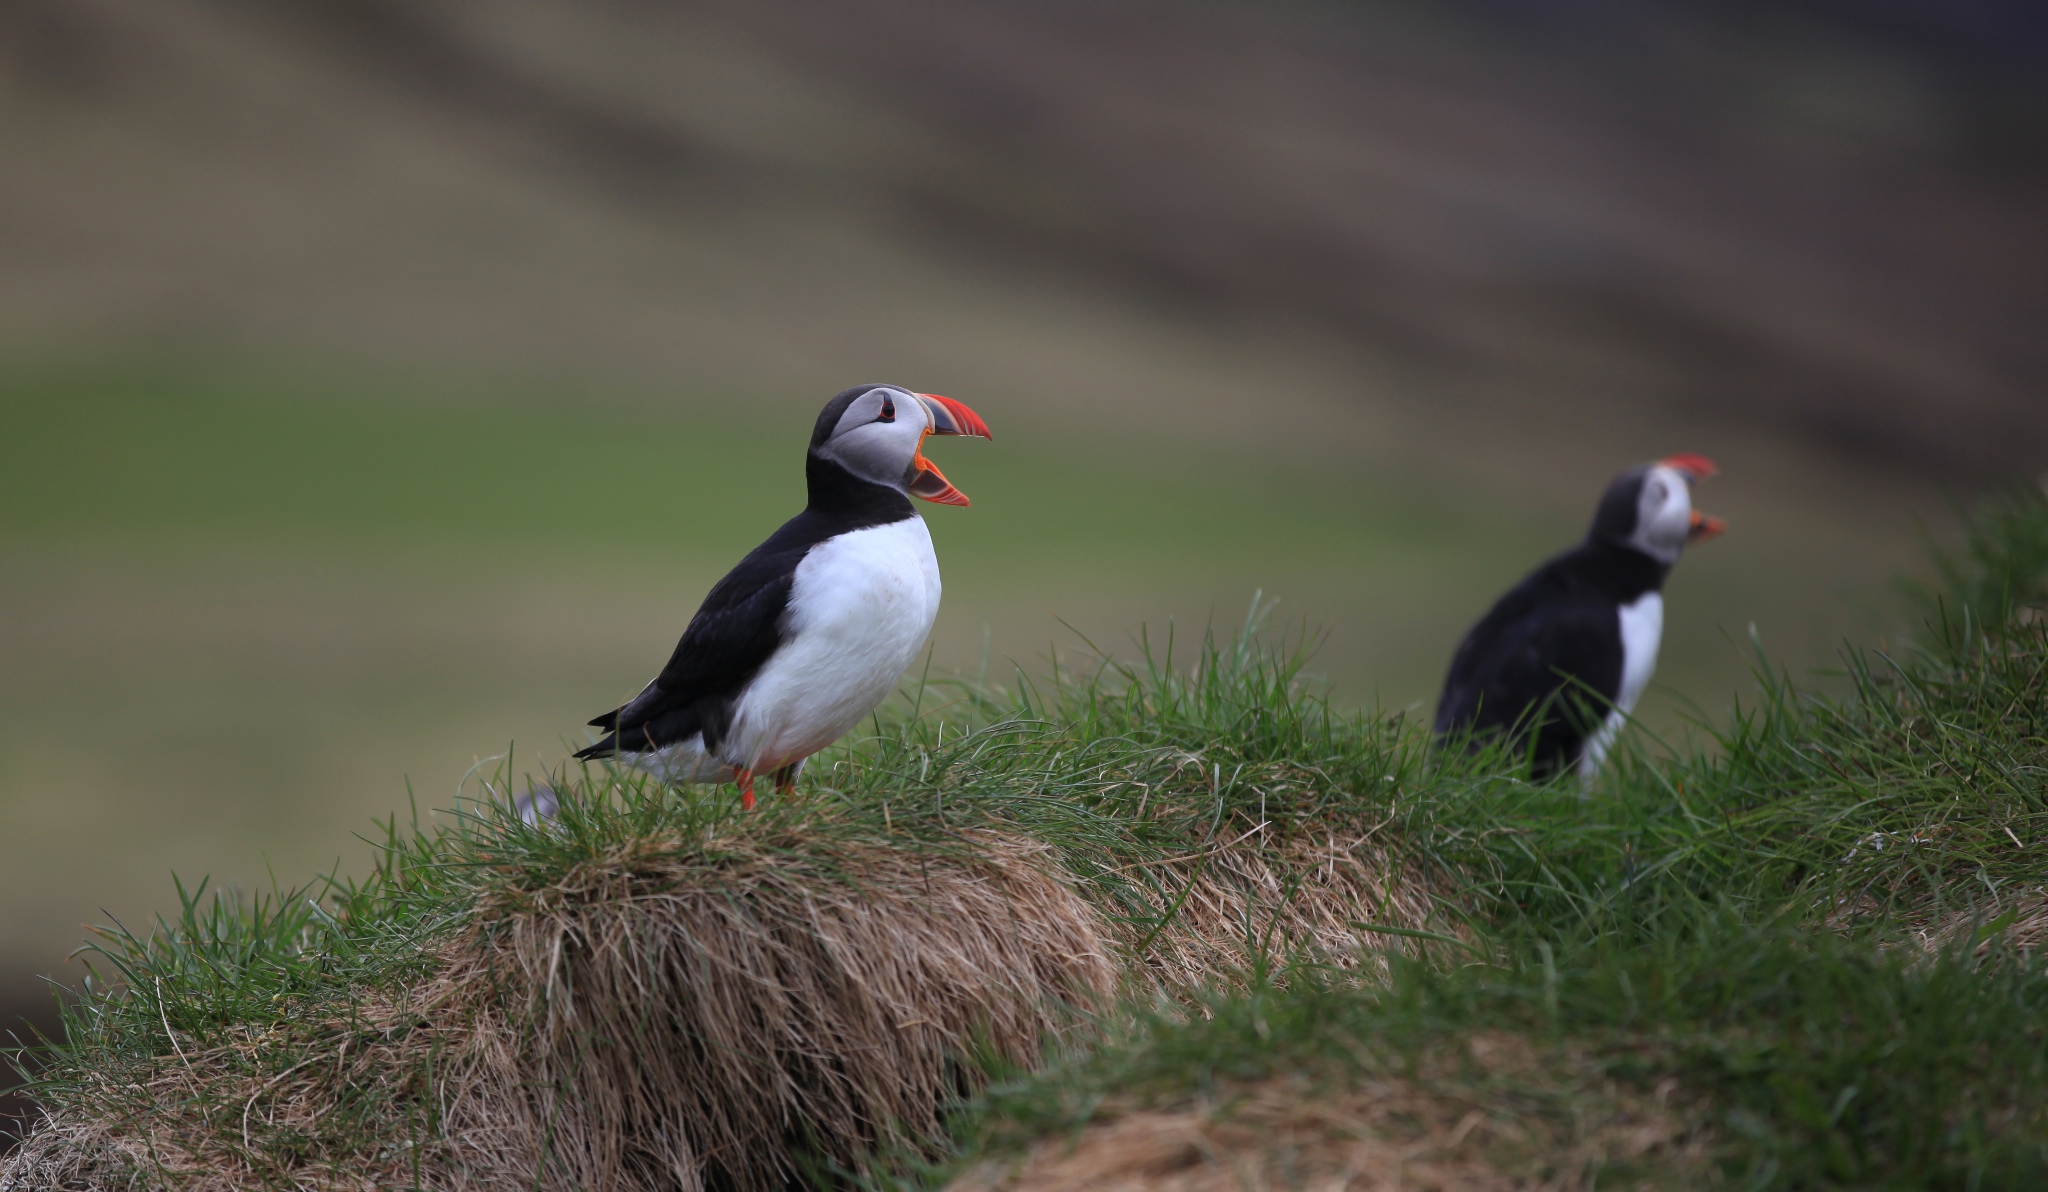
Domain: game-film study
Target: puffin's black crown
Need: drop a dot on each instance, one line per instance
(836, 408)
(1615, 520)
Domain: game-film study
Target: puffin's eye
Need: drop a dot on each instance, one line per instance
(888, 409)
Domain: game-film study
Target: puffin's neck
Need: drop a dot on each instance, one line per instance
(839, 494)
(1622, 572)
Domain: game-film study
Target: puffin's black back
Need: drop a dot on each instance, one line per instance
(1546, 661)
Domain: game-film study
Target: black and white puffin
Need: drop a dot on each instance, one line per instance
(814, 629)
(1565, 655)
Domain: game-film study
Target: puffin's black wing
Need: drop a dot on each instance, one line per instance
(1547, 658)
(735, 631)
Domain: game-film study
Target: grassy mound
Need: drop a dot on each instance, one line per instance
(657, 990)
(1199, 926)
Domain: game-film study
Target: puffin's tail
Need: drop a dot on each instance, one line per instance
(643, 730)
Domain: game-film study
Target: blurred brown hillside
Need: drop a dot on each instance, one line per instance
(1821, 222)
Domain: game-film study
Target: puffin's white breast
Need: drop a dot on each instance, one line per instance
(860, 609)
(1642, 631)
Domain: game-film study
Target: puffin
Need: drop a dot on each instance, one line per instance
(1558, 663)
(814, 628)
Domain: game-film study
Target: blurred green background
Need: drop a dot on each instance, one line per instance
(382, 384)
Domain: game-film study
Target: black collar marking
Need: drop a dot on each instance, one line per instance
(1614, 521)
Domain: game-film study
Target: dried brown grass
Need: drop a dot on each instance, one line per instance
(2025, 927)
(2018, 914)
(1495, 1114)
(655, 1019)
(703, 1025)
(693, 1014)
(1315, 896)
(237, 1115)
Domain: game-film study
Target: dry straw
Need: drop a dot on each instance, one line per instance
(702, 1025)
(654, 1019)
(1340, 899)
(683, 1013)
(1494, 1113)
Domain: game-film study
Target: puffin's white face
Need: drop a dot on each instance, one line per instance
(880, 437)
(1663, 514)
(1649, 509)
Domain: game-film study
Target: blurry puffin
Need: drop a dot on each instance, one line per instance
(1567, 652)
(813, 630)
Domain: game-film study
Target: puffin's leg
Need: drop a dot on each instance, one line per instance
(746, 780)
(785, 778)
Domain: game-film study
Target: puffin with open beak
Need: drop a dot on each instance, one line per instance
(814, 629)
(1560, 661)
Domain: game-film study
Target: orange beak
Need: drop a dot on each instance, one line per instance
(948, 417)
(1696, 468)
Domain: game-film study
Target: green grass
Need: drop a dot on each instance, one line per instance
(1743, 917)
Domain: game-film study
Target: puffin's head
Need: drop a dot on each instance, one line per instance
(1649, 509)
(877, 433)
